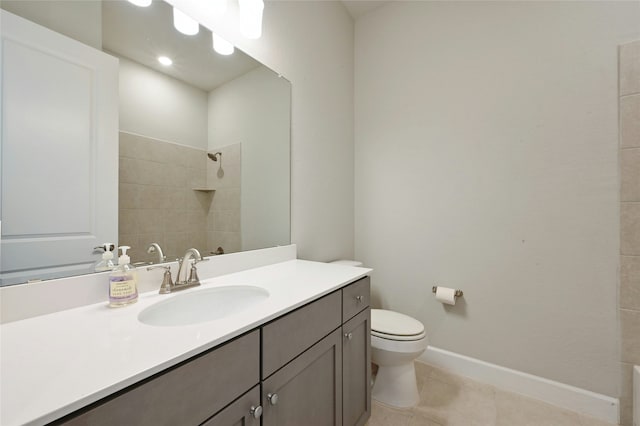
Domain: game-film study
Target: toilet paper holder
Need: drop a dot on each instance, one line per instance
(458, 293)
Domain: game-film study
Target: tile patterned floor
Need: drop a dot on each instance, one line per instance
(450, 400)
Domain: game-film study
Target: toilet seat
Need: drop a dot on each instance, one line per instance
(392, 325)
(397, 337)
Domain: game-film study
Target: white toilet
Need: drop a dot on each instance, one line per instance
(396, 341)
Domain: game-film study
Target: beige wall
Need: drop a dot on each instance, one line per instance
(629, 220)
(486, 153)
(311, 44)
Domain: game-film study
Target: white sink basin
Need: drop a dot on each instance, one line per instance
(203, 305)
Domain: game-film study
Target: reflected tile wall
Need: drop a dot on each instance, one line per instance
(629, 221)
(157, 201)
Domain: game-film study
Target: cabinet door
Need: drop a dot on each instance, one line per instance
(245, 411)
(308, 390)
(356, 364)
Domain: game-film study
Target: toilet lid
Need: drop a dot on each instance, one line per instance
(394, 324)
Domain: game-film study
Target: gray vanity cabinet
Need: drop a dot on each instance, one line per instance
(187, 394)
(313, 380)
(310, 367)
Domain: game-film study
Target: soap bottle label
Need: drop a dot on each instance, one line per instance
(122, 290)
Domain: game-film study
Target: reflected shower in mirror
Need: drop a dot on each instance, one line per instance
(203, 143)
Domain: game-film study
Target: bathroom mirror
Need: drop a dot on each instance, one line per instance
(203, 148)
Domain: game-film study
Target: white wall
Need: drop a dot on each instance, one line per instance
(486, 160)
(157, 106)
(311, 44)
(254, 110)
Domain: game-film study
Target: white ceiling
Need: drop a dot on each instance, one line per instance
(357, 8)
(143, 33)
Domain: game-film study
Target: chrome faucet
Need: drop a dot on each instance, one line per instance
(183, 279)
(155, 248)
(191, 277)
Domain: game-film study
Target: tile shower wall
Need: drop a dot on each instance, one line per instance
(629, 221)
(157, 200)
(223, 229)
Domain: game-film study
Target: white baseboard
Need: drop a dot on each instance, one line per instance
(559, 394)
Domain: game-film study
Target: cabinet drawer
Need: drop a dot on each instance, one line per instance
(289, 336)
(355, 297)
(184, 395)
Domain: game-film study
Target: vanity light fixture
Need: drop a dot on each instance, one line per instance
(251, 18)
(141, 3)
(184, 23)
(222, 46)
(164, 60)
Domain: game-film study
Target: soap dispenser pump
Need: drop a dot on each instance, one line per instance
(106, 264)
(123, 281)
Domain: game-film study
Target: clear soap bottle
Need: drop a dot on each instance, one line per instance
(106, 264)
(123, 282)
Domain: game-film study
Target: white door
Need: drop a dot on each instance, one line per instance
(59, 176)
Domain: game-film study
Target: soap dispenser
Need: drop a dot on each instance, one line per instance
(123, 282)
(106, 264)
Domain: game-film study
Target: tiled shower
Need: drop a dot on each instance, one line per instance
(629, 300)
(176, 196)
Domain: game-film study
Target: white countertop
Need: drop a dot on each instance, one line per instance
(53, 364)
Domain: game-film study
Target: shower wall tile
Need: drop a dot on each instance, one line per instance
(626, 393)
(630, 68)
(157, 200)
(128, 223)
(630, 121)
(630, 282)
(630, 228)
(630, 174)
(630, 328)
(629, 297)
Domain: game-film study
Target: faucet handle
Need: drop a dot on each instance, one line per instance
(193, 274)
(167, 281)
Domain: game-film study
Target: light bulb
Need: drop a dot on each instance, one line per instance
(251, 18)
(184, 24)
(221, 45)
(164, 60)
(141, 3)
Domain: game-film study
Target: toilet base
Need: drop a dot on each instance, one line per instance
(396, 385)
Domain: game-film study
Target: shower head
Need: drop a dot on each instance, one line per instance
(214, 157)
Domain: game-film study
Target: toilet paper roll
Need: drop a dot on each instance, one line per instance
(446, 295)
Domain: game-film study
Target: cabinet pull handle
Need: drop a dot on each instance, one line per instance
(348, 336)
(273, 398)
(256, 412)
(359, 298)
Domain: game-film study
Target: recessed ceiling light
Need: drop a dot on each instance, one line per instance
(165, 60)
(141, 3)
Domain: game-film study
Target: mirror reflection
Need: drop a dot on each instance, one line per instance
(202, 156)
